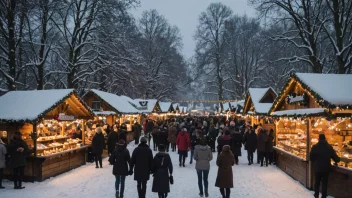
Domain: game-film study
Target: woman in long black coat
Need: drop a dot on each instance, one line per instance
(250, 143)
(112, 140)
(98, 147)
(236, 144)
(161, 168)
(120, 158)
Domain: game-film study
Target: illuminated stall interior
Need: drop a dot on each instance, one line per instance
(309, 105)
(52, 123)
(257, 105)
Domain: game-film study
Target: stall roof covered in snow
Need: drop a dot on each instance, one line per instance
(299, 112)
(144, 105)
(183, 109)
(333, 88)
(255, 95)
(29, 106)
(116, 102)
(165, 106)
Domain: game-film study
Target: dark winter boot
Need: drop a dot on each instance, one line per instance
(117, 194)
(206, 193)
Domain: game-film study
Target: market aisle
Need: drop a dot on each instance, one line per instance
(88, 182)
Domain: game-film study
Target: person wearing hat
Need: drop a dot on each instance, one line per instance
(18, 150)
(321, 155)
(141, 163)
(161, 169)
(120, 158)
(3, 152)
(183, 144)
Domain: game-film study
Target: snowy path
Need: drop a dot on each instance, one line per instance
(88, 182)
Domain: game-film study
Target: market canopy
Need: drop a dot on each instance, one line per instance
(30, 106)
(315, 91)
(259, 100)
(117, 103)
(145, 105)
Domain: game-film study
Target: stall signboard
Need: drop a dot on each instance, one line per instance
(63, 117)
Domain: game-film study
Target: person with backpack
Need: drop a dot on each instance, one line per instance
(3, 153)
(203, 155)
(162, 171)
(120, 158)
(141, 163)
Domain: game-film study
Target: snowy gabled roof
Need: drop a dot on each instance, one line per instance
(151, 103)
(332, 88)
(165, 106)
(256, 95)
(183, 109)
(116, 102)
(29, 106)
(175, 106)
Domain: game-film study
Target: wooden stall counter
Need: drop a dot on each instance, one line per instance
(293, 165)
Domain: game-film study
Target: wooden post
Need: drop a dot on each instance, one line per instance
(83, 132)
(309, 136)
(34, 138)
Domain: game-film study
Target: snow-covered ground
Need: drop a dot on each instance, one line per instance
(88, 182)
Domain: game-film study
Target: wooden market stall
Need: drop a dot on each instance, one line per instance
(166, 109)
(110, 108)
(52, 123)
(309, 105)
(257, 105)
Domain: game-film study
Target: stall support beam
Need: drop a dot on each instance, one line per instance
(309, 171)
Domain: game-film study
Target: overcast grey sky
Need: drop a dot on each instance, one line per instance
(184, 14)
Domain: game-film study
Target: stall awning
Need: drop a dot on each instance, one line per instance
(299, 112)
(29, 106)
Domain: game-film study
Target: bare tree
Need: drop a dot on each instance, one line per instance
(210, 46)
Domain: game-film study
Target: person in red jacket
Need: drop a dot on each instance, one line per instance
(183, 144)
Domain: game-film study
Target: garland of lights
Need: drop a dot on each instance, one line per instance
(320, 100)
(41, 115)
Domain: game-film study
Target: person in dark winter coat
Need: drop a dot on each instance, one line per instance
(149, 128)
(269, 146)
(224, 179)
(261, 146)
(18, 150)
(112, 140)
(123, 133)
(224, 140)
(236, 144)
(194, 141)
(120, 158)
(98, 147)
(203, 155)
(137, 131)
(162, 136)
(321, 155)
(162, 169)
(141, 161)
(183, 144)
(212, 134)
(3, 153)
(155, 134)
(250, 143)
(172, 137)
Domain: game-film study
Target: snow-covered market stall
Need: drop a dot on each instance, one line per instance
(309, 105)
(52, 123)
(110, 108)
(166, 109)
(257, 105)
